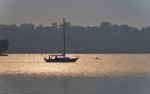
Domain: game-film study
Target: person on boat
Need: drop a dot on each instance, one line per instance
(44, 58)
(49, 57)
(56, 57)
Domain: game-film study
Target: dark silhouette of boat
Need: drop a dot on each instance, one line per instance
(2, 54)
(61, 58)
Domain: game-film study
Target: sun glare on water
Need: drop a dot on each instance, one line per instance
(87, 65)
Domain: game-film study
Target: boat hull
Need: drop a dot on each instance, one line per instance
(3, 54)
(62, 60)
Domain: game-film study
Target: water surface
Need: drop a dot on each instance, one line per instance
(110, 74)
(107, 64)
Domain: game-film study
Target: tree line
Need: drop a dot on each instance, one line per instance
(105, 26)
(4, 44)
(106, 38)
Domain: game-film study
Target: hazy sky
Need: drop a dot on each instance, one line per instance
(78, 12)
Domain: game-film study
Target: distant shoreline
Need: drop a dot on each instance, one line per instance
(86, 53)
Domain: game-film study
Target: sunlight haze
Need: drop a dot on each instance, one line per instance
(78, 12)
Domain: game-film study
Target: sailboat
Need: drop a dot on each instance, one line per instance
(62, 57)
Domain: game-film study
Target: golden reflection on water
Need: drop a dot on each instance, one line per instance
(87, 65)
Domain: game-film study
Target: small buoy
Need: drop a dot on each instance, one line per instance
(97, 57)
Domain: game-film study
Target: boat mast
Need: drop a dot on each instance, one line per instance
(64, 31)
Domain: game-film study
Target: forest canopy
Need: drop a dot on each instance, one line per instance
(4, 44)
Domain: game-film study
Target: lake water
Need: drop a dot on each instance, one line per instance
(110, 74)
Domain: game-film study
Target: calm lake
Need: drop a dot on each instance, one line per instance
(110, 74)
